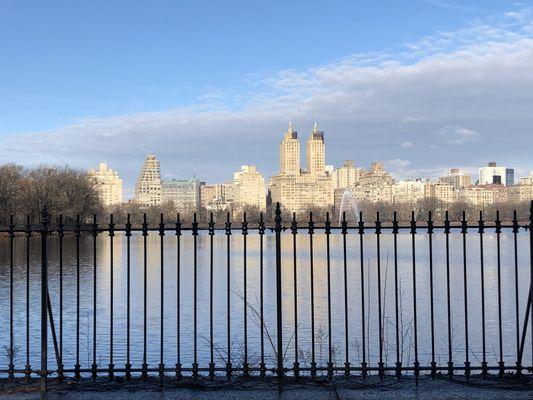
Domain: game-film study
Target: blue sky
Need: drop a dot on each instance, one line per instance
(105, 80)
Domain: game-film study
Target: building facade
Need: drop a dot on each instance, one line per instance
(492, 174)
(108, 184)
(346, 176)
(148, 185)
(298, 190)
(184, 195)
(456, 179)
(249, 188)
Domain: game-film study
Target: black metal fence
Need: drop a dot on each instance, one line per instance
(283, 364)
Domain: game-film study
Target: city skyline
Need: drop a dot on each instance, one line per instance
(455, 93)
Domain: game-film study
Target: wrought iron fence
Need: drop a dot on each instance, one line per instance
(281, 364)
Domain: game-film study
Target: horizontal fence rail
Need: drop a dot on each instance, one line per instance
(286, 299)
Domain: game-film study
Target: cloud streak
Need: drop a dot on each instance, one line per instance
(456, 98)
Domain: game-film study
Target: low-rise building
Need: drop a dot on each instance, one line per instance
(183, 194)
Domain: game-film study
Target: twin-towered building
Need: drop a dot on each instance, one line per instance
(297, 189)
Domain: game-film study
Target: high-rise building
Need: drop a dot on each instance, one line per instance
(183, 194)
(484, 195)
(108, 184)
(346, 176)
(296, 190)
(249, 188)
(509, 176)
(456, 179)
(316, 156)
(207, 194)
(441, 191)
(289, 153)
(148, 185)
(492, 174)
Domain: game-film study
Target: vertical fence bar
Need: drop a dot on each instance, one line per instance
(344, 232)
(111, 294)
(415, 319)
(94, 366)
(228, 293)
(361, 228)
(447, 229)
(77, 367)
(312, 290)
(178, 297)
(279, 338)
(211, 334)
(501, 365)
(61, 234)
(11, 367)
(128, 296)
(44, 300)
(195, 297)
(162, 300)
(464, 227)
(431, 296)
(262, 228)
(327, 232)
(27, 368)
(244, 232)
(531, 274)
(482, 264)
(294, 231)
(381, 370)
(144, 371)
(395, 230)
(516, 229)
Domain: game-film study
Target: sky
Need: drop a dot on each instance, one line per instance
(208, 86)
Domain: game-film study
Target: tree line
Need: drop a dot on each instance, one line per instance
(68, 191)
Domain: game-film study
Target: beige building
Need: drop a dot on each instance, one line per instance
(528, 180)
(456, 179)
(249, 188)
(484, 195)
(298, 190)
(316, 153)
(521, 192)
(409, 191)
(374, 185)
(148, 185)
(289, 151)
(346, 176)
(207, 194)
(443, 192)
(108, 184)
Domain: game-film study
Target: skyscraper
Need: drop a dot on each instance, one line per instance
(289, 153)
(148, 185)
(296, 190)
(316, 161)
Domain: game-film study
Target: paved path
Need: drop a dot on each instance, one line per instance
(340, 389)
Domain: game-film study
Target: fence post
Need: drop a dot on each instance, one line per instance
(278, 230)
(44, 301)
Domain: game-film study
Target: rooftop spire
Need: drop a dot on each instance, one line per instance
(290, 130)
(315, 128)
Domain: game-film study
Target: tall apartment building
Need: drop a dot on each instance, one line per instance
(108, 184)
(374, 185)
(442, 191)
(249, 188)
(346, 176)
(492, 174)
(148, 185)
(456, 179)
(297, 190)
(316, 153)
(289, 153)
(183, 194)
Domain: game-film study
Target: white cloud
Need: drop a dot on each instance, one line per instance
(406, 144)
(477, 79)
(457, 134)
